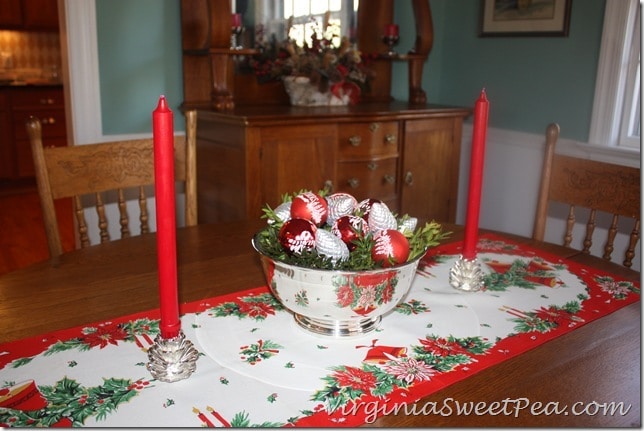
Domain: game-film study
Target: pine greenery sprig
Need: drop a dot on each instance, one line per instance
(425, 237)
(360, 259)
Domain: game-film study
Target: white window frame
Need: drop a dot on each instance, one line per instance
(617, 77)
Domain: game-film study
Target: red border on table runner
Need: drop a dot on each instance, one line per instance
(599, 304)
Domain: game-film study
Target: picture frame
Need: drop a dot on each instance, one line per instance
(512, 18)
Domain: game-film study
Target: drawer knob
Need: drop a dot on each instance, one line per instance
(355, 140)
(390, 179)
(354, 183)
(372, 166)
(390, 139)
(50, 120)
(328, 185)
(47, 101)
(409, 178)
(374, 126)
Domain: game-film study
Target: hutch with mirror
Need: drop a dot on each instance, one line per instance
(253, 146)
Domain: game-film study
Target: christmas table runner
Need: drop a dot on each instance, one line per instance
(257, 367)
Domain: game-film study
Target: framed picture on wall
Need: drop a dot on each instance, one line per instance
(525, 18)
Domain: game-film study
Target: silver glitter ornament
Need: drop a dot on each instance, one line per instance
(340, 204)
(408, 225)
(381, 218)
(283, 212)
(329, 245)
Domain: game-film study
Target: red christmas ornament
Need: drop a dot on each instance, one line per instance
(391, 248)
(297, 235)
(349, 228)
(310, 206)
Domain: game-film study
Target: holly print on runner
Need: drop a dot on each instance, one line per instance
(67, 403)
(256, 352)
(526, 275)
(412, 306)
(545, 319)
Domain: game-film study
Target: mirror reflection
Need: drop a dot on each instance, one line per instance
(269, 21)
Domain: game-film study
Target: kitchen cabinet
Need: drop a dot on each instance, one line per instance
(405, 155)
(29, 15)
(6, 150)
(21, 102)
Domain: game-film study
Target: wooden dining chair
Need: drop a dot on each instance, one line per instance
(118, 168)
(595, 186)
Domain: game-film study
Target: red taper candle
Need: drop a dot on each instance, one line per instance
(481, 109)
(162, 131)
(391, 30)
(236, 20)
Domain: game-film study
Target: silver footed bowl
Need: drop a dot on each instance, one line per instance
(337, 303)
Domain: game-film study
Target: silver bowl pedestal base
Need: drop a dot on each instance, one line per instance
(338, 328)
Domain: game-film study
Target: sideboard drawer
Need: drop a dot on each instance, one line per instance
(368, 179)
(366, 140)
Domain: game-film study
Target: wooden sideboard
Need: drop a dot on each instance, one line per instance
(404, 154)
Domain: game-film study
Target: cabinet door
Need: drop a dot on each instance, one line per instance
(431, 155)
(40, 15)
(295, 158)
(10, 14)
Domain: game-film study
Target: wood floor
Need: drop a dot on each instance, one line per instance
(22, 237)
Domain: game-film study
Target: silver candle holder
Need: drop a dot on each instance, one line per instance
(466, 275)
(172, 359)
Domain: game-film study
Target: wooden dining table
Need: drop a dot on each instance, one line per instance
(598, 362)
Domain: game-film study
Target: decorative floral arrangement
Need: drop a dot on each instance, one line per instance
(342, 71)
(335, 231)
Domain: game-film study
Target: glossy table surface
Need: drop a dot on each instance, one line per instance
(595, 366)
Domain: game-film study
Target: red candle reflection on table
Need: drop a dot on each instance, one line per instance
(479, 133)
(236, 19)
(163, 135)
(391, 30)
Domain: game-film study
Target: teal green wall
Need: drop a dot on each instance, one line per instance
(139, 45)
(530, 81)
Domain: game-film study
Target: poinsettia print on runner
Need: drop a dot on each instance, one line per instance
(257, 307)
(434, 355)
(447, 353)
(140, 331)
(618, 289)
